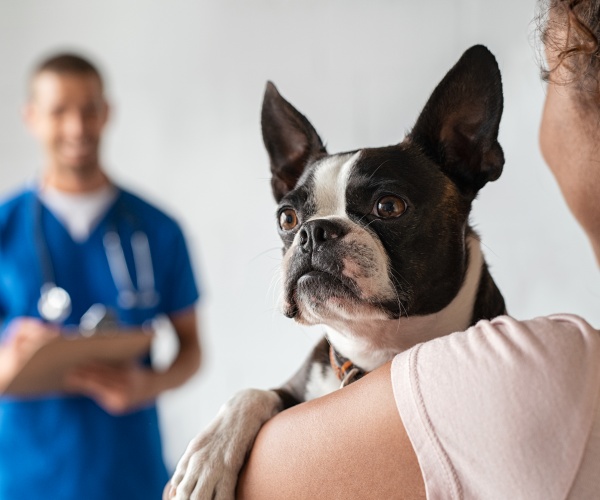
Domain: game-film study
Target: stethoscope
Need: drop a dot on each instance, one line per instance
(54, 304)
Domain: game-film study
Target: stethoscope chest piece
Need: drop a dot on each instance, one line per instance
(54, 304)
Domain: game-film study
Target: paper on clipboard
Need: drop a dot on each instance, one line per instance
(45, 371)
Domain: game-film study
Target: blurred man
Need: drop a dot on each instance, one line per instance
(76, 243)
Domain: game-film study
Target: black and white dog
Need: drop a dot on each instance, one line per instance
(377, 248)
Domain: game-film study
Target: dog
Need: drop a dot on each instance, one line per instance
(377, 248)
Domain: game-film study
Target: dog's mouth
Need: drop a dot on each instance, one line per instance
(318, 294)
(316, 278)
(343, 279)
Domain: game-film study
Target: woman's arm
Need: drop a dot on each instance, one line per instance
(349, 444)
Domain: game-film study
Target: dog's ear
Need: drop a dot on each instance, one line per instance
(459, 125)
(290, 139)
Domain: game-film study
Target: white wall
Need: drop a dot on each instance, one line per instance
(186, 81)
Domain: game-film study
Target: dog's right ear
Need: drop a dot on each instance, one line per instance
(290, 139)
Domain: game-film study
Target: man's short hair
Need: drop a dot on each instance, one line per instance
(67, 64)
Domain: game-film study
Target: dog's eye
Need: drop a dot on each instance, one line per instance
(288, 219)
(389, 206)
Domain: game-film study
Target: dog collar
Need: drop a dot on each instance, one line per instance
(344, 369)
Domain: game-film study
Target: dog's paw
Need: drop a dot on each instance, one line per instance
(209, 468)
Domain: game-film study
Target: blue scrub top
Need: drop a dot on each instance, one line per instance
(68, 447)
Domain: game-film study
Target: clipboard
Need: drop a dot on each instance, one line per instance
(45, 370)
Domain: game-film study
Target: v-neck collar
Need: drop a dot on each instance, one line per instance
(96, 226)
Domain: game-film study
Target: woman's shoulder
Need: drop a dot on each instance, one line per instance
(565, 346)
(558, 335)
(488, 403)
(553, 322)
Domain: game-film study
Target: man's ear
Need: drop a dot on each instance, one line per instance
(28, 116)
(107, 111)
(458, 128)
(290, 139)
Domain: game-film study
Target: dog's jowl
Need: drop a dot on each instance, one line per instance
(377, 248)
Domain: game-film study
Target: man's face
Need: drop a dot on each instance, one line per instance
(67, 113)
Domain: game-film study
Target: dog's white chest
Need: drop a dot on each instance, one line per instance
(321, 380)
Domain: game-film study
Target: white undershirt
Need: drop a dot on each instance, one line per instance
(79, 213)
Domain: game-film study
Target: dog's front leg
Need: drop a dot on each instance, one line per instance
(210, 466)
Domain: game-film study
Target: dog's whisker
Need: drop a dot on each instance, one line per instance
(274, 284)
(375, 171)
(368, 224)
(268, 250)
(397, 276)
(401, 307)
(488, 248)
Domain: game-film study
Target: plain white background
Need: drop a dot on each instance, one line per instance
(185, 79)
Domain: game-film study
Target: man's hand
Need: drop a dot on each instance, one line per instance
(117, 389)
(23, 336)
(121, 389)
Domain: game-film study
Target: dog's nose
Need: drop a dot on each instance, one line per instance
(317, 232)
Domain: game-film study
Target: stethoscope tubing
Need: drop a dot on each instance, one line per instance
(47, 267)
(129, 297)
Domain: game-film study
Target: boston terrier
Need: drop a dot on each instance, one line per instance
(377, 248)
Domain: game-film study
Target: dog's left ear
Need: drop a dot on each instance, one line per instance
(290, 139)
(459, 125)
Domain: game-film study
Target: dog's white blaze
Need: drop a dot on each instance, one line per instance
(319, 383)
(371, 343)
(330, 181)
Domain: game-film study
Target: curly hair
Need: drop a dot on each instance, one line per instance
(573, 32)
